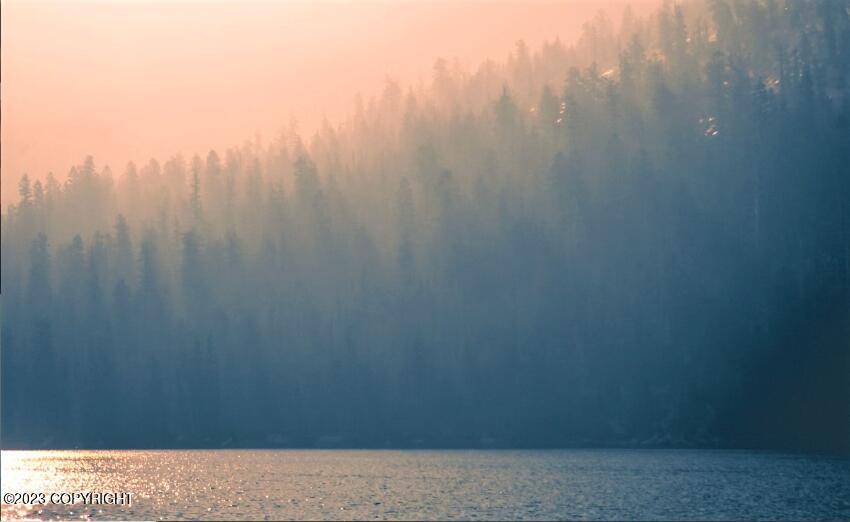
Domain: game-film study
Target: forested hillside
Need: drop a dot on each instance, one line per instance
(640, 238)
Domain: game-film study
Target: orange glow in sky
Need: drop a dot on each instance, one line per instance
(134, 80)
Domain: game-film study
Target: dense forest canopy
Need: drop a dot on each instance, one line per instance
(641, 238)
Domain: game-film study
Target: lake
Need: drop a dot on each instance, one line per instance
(361, 484)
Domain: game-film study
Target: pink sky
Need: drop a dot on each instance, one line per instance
(127, 80)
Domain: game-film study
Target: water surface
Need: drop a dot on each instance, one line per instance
(342, 484)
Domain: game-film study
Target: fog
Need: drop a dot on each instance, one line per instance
(639, 237)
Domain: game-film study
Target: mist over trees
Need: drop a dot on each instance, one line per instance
(640, 239)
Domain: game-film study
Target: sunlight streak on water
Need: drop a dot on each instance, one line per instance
(304, 484)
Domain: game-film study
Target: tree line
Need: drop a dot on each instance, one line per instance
(639, 239)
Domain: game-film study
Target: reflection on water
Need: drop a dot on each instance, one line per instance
(296, 484)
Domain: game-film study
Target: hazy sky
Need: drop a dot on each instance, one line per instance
(134, 80)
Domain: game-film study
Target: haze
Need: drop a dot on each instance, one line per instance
(129, 80)
(637, 238)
